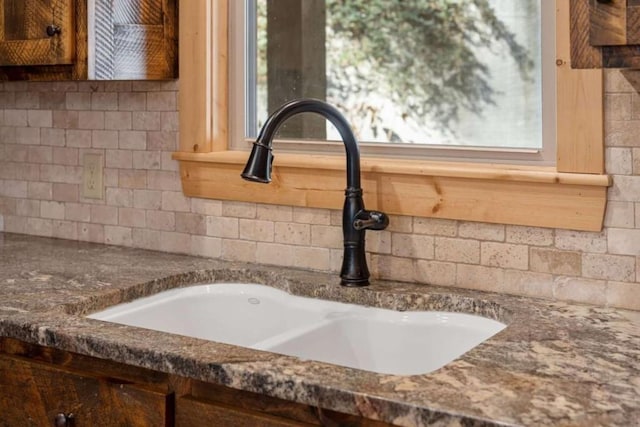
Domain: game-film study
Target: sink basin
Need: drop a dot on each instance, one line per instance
(264, 318)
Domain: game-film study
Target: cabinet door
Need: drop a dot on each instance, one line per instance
(33, 394)
(36, 32)
(605, 33)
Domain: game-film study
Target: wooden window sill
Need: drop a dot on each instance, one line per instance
(504, 194)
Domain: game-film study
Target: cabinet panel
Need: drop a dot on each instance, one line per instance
(24, 39)
(32, 394)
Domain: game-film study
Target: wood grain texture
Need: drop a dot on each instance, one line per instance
(34, 393)
(616, 31)
(23, 37)
(493, 199)
(132, 41)
(608, 23)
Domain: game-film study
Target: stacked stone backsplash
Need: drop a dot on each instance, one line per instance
(46, 128)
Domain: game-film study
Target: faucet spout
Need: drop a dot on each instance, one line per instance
(355, 219)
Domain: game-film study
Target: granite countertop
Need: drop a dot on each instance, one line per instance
(555, 363)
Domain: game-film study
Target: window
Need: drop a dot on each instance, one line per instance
(571, 194)
(402, 74)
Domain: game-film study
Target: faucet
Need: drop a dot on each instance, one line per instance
(355, 218)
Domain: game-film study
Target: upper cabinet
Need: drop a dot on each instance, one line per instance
(605, 33)
(88, 39)
(37, 32)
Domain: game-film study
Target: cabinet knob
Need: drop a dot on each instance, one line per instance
(64, 420)
(52, 30)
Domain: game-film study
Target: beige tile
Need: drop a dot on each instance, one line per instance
(608, 267)
(40, 154)
(622, 241)
(27, 100)
(132, 140)
(504, 255)
(119, 159)
(436, 227)
(39, 227)
(175, 201)
(78, 138)
(457, 250)
(210, 247)
(582, 241)
(206, 207)
(147, 199)
(256, 230)
(239, 209)
(580, 290)
(162, 141)
(527, 283)
(15, 117)
(104, 101)
(146, 120)
(131, 217)
(275, 254)
(120, 197)
(15, 224)
(26, 207)
(529, 235)
(117, 120)
(77, 212)
(623, 295)
(101, 214)
(292, 233)
(274, 213)
(40, 190)
(66, 192)
(482, 231)
(53, 137)
(27, 136)
(568, 263)
(162, 101)
(145, 238)
(131, 101)
(65, 156)
(312, 258)
(625, 189)
(175, 242)
(393, 268)
(146, 160)
(619, 161)
(104, 139)
(136, 180)
(228, 228)
(378, 242)
(621, 133)
(116, 235)
(480, 277)
(326, 236)
(78, 101)
(65, 230)
(617, 106)
(620, 214)
(191, 223)
(312, 216)
(400, 224)
(40, 118)
(11, 188)
(91, 120)
(170, 120)
(52, 210)
(436, 272)
(239, 250)
(159, 220)
(412, 246)
(163, 180)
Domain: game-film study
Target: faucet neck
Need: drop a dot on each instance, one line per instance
(329, 112)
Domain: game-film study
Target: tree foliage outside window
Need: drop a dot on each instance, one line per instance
(427, 58)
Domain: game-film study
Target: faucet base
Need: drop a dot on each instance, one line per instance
(354, 283)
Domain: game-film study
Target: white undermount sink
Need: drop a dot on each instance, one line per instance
(264, 318)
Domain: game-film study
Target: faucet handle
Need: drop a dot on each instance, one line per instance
(371, 220)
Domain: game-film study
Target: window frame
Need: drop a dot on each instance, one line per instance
(571, 194)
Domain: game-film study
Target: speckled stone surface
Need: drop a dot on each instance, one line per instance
(555, 364)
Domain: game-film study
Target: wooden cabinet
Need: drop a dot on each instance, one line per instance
(88, 39)
(605, 33)
(39, 385)
(37, 32)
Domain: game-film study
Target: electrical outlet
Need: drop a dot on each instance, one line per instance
(92, 176)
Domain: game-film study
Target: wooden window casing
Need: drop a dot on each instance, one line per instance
(571, 195)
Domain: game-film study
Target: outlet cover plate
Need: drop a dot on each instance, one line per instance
(92, 172)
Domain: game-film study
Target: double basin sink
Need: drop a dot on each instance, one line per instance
(265, 318)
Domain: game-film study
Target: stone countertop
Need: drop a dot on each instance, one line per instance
(555, 363)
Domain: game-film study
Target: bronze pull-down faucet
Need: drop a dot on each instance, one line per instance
(355, 218)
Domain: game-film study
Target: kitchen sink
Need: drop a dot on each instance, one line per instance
(265, 318)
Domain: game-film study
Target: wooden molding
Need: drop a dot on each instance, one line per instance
(571, 195)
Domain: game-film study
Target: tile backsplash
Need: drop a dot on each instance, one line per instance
(47, 128)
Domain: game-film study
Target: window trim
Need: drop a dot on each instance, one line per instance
(570, 195)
